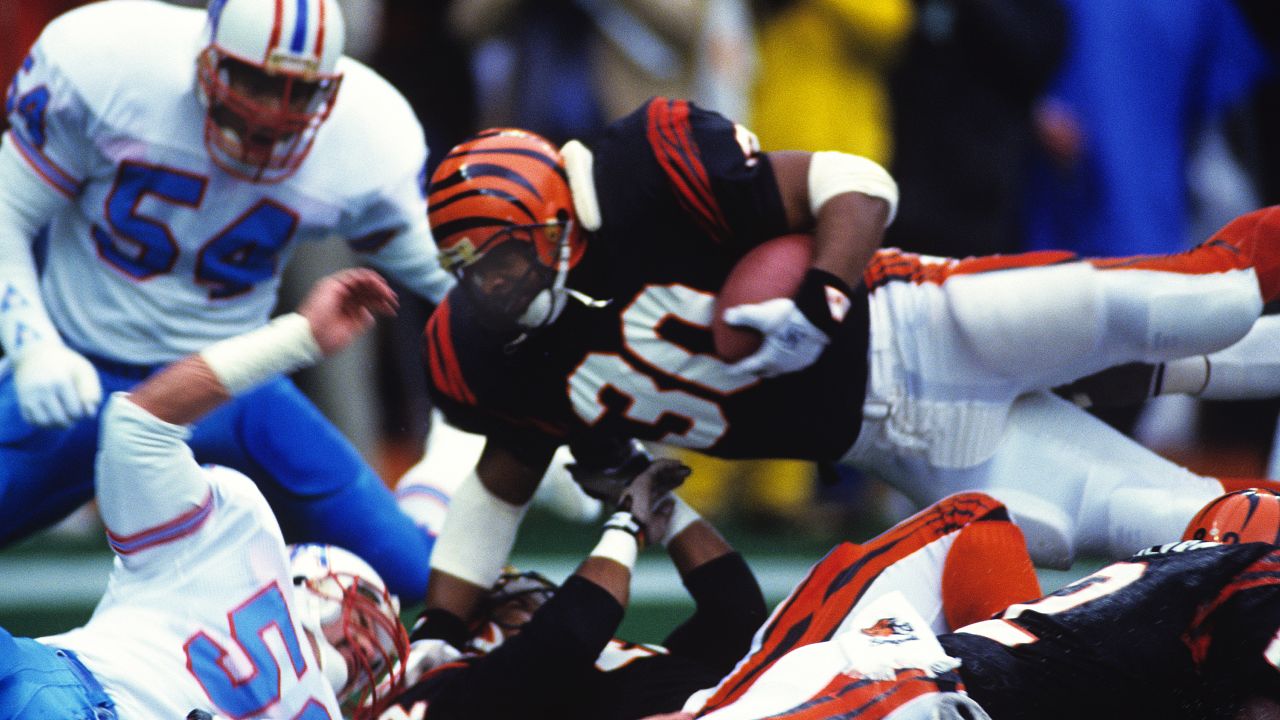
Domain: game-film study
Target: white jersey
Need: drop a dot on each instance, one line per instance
(199, 611)
(156, 252)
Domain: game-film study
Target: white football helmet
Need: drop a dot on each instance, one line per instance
(355, 622)
(268, 78)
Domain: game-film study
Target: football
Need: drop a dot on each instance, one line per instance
(770, 270)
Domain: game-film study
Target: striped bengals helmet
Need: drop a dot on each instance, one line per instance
(1251, 515)
(268, 78)
(503, 218)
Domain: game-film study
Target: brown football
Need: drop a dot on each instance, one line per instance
(772, 269)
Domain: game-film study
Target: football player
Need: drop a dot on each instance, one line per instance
(206, 607)
(588, 276)
(1182, 630)
(171, 159)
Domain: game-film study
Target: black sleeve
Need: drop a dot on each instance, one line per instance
(730, 608)
(530, 674)
(718, 177)
(1238, 644)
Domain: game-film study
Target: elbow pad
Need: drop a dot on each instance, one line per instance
(835, 173)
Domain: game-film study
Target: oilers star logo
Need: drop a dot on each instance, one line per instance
(890, 631)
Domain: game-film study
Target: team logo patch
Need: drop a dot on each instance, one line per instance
(837, 302)
(890, 631)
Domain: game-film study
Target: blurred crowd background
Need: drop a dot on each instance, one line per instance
(1106, 127)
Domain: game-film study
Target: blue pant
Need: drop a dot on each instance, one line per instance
(37, 681)
(319, 487)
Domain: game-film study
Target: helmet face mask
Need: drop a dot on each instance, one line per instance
(509, 604)
(503, 218)
(267, 89)
(513, 285)
(355, 624)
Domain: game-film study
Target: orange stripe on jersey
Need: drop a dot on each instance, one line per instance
(892, 265)
(1263, 572)
(822, 601)
(1214, 256)
(671, 137)
(849, 697)
(442, 358)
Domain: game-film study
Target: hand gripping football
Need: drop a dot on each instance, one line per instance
(772, 269)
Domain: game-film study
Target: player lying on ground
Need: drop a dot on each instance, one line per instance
(173, 158)
(588, 276)
(206, 607)
(1182, 630)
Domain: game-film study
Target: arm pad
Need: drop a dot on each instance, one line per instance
(835, 173)
(478, 534)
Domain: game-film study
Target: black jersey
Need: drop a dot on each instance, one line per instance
(564, 665)
(1185, 630)
(681, 198)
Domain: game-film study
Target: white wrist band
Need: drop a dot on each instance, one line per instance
(619, 546)
(681, 517)
(280, 347)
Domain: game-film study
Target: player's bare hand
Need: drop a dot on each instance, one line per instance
(648, 497)
(345, 304)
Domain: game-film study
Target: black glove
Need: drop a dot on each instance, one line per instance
(604, 476)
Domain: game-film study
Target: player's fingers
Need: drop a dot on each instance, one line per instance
(60, 405)
(743, 316)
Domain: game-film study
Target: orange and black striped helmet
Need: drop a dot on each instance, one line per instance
(502, 184)
(1251, 515)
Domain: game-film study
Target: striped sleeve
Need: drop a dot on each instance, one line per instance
(150, 490)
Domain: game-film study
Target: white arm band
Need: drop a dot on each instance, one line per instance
(280, 347)
(619, 546)
(835, 173)
(478, 534)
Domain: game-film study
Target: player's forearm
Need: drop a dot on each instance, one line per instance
(182, 392)
(188, 389)
(851, 200)
(26, 204)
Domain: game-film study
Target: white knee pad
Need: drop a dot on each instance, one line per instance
(1027, 318)
(1140, 517)
(1249, 369)
(1164, 315)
